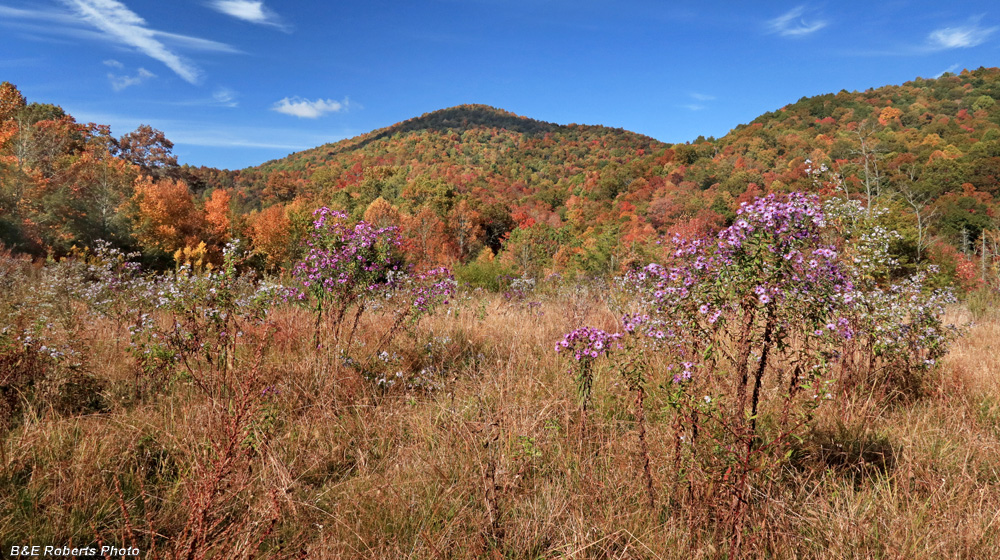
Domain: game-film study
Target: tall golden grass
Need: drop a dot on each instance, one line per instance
(299, 455)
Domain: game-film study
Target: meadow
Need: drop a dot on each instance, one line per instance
(734, 400)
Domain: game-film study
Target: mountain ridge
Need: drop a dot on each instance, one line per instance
(458, 118)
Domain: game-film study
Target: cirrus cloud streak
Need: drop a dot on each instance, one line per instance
(122, 24)
(793, 24)
(959, 37)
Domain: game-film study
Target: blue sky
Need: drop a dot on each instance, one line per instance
(235, 83)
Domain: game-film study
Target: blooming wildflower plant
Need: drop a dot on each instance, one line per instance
(346, 264)
(770, 292)
(772, 266)
(430, 289)
(588, 343)
(360, 268)
(778, 295)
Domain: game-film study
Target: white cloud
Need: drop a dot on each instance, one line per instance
(951, 68)
(693, 107)
(122, 24)
(119, 83)
(248, 10)
(225, 97)
(969, 35)
(963, 36)
(51, 22)
(220, 97)
(195, 43)
(66, 24)
(702, 96)
(303, 108)
(793, 24)
(113, 63)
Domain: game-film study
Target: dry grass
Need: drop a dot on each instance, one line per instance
(484, 459)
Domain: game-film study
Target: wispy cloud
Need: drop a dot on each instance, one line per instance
(186, 42)
(70, 24)
(303, 108)
(114, 63)
(959, 37)
(225, 97)
(968, 35)
(39, 24)
(249, 10)
(793, 24)
(220, 97)
(119, 83)
(951, 68)
(700, 101)
(111, 20)
(125, 26)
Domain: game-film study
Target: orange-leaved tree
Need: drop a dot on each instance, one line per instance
(149, 149)
(164, 215)
(426, 239)
(382, 214)
(217, 211)
(269, 230)
(11, 101)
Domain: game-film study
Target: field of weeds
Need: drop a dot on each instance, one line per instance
(682, 411)
(474, 450)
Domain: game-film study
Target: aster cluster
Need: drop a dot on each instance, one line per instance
(519, 289)
(897, 323)
(770, 265)
(207, 311)
(358, 269)
(767, 295)
(771, 258)
(166, 318)
(786, 223)
(587, 343)
(776, 249)
(346, 263)
(362, 265)
(432, 288)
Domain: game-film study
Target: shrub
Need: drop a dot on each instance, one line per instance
(489, 275)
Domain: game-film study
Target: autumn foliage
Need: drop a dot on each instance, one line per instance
(542, 198)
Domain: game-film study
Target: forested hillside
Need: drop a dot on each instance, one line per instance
(478, 184)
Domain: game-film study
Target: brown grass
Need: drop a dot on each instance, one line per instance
(483, 459)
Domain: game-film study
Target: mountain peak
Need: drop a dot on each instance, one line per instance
(464, 117)
(458, 118)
